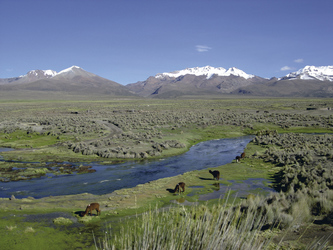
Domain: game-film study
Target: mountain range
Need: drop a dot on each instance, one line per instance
(73, 81)
(194, 81)
(309, 81)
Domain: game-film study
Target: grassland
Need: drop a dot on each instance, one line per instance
(118, 130)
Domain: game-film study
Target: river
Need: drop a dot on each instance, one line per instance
(109, 178)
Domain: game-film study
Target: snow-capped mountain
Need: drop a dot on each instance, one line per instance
(37, 74)
(208, 71)
(322, 73)
(73, 80)
(309, 81)
(70, 70)
(194, 81)
(41, 73)
(74, 70)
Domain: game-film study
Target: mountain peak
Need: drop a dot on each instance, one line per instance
(72, 72)
(322, 73)
(209, 71)
(41, 73)
(70, 69)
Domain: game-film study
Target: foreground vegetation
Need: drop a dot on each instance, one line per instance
(304, 201)
(111, 131)
(218, 227)
(221, 226)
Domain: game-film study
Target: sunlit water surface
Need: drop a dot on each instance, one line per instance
(109, 178)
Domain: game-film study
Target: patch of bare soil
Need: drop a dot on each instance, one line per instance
(304, 236)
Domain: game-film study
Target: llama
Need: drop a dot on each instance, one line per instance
(216, 174)
(90, 208)
(179, 186)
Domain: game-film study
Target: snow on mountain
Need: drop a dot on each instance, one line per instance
(208, 71)
(322, 73)
(69, 70)
(35, 75)
(51, 73)
(41, 73)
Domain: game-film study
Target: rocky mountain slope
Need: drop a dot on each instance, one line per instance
(309, 81)
(195, 81)
(323, 73)
(71, 81)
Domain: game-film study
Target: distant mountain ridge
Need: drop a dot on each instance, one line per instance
(309, 81)
(71, 81)
(194, 81)
(322, 73)
(208, 71)
(38, 74)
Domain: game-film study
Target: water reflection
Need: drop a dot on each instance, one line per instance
(242, 189)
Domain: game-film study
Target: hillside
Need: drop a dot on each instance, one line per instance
(198, 82)
(310, 81)
(194, 81)
(69, 83)
(289, 88)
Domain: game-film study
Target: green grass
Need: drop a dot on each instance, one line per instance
(21, 139)
(17, 233)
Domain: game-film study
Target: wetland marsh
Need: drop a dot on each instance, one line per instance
(116, 132)
(108, 178)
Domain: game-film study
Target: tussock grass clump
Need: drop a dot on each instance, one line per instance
(197, 227)
(62, 221)
(306, 173)
(29, 230)
(88, 219)
(11, 228)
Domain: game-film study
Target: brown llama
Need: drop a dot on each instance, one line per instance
(238, 158)
(243, 155)
(91, 207)
(216, 174)
(179, 186)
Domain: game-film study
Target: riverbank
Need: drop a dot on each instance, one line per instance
(40, 214)
(148, 194)
(116, 206)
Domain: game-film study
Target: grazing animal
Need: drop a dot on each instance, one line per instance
(179, 186)
(216, 174)
(238, 158)
(243, 155)
(90, 208)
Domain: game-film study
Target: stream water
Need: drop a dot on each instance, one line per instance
(109, 178)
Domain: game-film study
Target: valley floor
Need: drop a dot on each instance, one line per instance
(117, 130)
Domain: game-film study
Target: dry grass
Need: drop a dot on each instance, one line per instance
(196, 227)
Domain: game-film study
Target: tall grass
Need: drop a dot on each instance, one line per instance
(199, 227)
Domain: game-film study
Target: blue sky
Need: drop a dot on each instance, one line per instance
(128, 41)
